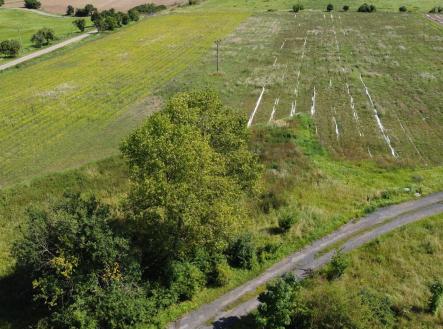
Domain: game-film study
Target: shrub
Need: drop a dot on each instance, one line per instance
(436, 298)
(10, 48)
(193, 2)
(43, 37)
(133, 15)
(365, 8)
(297, 7)
(286, 221)
(330, 7)
(125, 19)
(337, 266)
(403, 9)
(277, 303)
(185, 280)
(149, 8)
(80, 24)
(436, 10)
(345, 8)
(70, 11)
(242, 252)
(32, 4)
(221, 274)
(2, 2)
(88, 10)
(271, 200)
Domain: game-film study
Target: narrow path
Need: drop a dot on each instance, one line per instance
(356, 232)
(46, 50)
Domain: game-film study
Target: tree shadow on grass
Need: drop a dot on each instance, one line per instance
(16, 307)
(233, 322)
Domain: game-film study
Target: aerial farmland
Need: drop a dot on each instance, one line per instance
(221, 164)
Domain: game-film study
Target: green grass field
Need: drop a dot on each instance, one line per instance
(260, 5)
(21, 25)
(395, 56)
(76, 106)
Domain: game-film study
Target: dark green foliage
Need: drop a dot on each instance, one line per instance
(436, 10)
(337, 266)
(79, 266)
(242, 252)
(286, 221)
(345, 8)
(125, 19)
(134, 15)
(32, 4)
(10, 48)
(278, 303)
(43, 37)
(365, 8)
(380, 307)
(88, 10)
(185, 280)
(220, 275)
(403, 9)
(436, 299)
(149, 8)
(70, 11)
(193, 2)
(330, 7)
(2, 2)
(297, 7)
(80, 24)
(107, 20)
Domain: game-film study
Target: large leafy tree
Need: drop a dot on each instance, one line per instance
(77, 264)
(190, 168)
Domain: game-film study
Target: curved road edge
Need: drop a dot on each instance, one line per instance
(356, 232)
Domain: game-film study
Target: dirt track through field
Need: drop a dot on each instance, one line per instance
(348, 237)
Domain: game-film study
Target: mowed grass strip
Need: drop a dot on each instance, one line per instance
(21, 25)
(56, 113)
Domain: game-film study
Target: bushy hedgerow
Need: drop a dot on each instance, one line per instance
(10, 48)
(242, 252)
(297, 7)
(365, 8)
(32, 4)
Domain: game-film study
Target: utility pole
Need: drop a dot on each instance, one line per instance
(217, 42)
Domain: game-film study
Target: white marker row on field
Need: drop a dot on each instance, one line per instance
(314, 95)
(274, 109)
(378, 120)
(251, 117)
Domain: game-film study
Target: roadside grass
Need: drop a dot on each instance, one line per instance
(21, 25)
(400, 265)
(99, 93)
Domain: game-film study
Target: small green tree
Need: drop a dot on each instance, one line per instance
(297, 7)
(125, 19)
(242, 252)
(185, 279)
(70, 11)
(43, 37)
(286, 221)
(278, 303)
(80, 24)
(403, 9)
(345, 8)
(2, 2)
(365, 8)
(32, 4)
(10, 48)
(133, 15)
(337, 266)
(330, 7)
(436, 299)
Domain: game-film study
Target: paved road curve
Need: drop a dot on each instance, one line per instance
(46, 50)
(353, 235)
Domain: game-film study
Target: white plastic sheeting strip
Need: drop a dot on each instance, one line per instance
(313, 103)
(274, 109)
(251, 117)
(293, 108)
(378, 120)
(337, 132)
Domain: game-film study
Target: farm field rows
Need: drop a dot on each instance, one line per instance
(21, 25)
(76, 106)
(371, 83)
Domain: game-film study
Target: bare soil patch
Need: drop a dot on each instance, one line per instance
(59, 6)
(436, 17)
